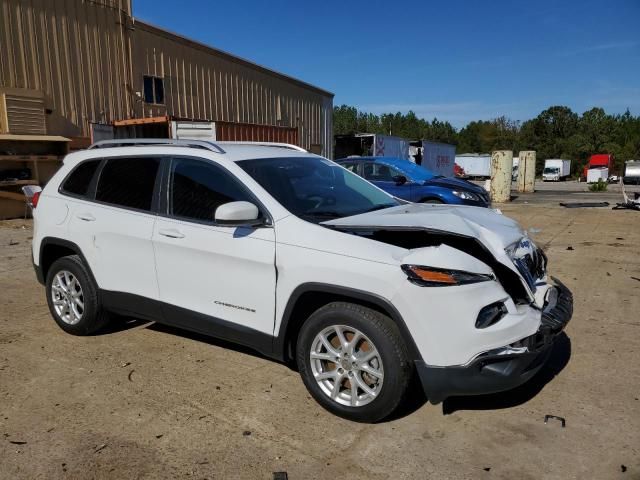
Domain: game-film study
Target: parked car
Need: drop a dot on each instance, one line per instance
(296, 257)
(408, 181)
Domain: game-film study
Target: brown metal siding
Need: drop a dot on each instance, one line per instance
(247, 132)
(87, 58)
(72, 52)
(206, 84)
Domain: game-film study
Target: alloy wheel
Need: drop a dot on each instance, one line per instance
(67, 296)
(346, 365)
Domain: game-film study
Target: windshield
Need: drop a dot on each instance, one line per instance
(315, 188)
(551, 170)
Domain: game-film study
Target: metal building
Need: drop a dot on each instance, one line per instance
(67, 66)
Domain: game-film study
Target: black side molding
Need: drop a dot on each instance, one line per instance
(154, 310)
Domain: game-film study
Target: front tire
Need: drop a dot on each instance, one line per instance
(353, 361)
(433, 200)
(73, 297)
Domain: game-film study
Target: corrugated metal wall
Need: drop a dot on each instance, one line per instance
(204, 83)
(88, 58)
(74, 53)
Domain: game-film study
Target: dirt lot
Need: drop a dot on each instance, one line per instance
(145, 401)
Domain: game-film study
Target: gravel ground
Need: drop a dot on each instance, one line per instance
(145, 401)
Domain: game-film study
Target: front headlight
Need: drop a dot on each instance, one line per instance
(466, 196)
(439, 277)
(520, 249)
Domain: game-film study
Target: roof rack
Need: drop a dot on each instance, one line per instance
(267, 144)
(124, 142)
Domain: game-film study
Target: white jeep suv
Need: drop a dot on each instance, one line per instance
(289, 253)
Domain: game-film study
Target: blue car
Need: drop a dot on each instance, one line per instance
(406, 180)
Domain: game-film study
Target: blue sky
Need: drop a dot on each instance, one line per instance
(454, 60)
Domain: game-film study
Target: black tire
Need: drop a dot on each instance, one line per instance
(432, 200)
(93, 318)
(385, 336)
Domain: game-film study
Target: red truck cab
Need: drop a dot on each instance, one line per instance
(599, 160)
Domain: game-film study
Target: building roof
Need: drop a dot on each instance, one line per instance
(208, 49)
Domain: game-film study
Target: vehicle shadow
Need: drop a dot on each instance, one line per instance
(121, 324)
(559, 358)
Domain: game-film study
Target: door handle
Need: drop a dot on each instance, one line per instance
(87, 217)
(171, 233)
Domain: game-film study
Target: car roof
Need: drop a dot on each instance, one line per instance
(228, 151)
(370, 159)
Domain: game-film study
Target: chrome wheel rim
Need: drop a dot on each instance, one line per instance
(67, 296)
(346, 365)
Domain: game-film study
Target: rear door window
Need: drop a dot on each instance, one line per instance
(378, 172)
(77, 183)
(128, 182)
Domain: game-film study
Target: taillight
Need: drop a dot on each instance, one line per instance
(34, 199)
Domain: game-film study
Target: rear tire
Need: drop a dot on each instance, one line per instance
(73, 297)
(353, 346)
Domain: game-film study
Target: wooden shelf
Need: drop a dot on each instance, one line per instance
(18, 182)
(18, 197)
(30, 158)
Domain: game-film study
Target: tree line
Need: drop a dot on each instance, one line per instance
(556, 132)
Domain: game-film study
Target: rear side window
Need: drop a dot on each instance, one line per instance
(78, 182)
(197, 188)
(128, 182)
(351, 166)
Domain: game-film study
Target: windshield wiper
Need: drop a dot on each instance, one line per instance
(323, 213)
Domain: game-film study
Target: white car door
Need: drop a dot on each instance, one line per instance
(213, 279)
(114, 228)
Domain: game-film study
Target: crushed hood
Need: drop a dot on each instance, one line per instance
(493, 229)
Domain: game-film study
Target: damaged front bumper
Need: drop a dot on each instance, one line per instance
(506, 367)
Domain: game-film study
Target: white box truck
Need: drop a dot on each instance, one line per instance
(556, 169)
(475, 165)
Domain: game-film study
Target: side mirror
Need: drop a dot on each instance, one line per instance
(238, 214)
(400, 179)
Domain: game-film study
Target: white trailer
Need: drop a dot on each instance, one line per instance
(475, 165)
(514, 169)
(439, 158)
(390, 146)
(556, 169)
(596, 174)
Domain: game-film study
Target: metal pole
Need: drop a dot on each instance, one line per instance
(501, 167)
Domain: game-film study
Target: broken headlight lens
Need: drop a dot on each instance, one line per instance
(466, 196)
(439, 277)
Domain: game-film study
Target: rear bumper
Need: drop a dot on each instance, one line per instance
(502, 368)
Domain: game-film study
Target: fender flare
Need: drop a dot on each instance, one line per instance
(281, 341)
(46, 241)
